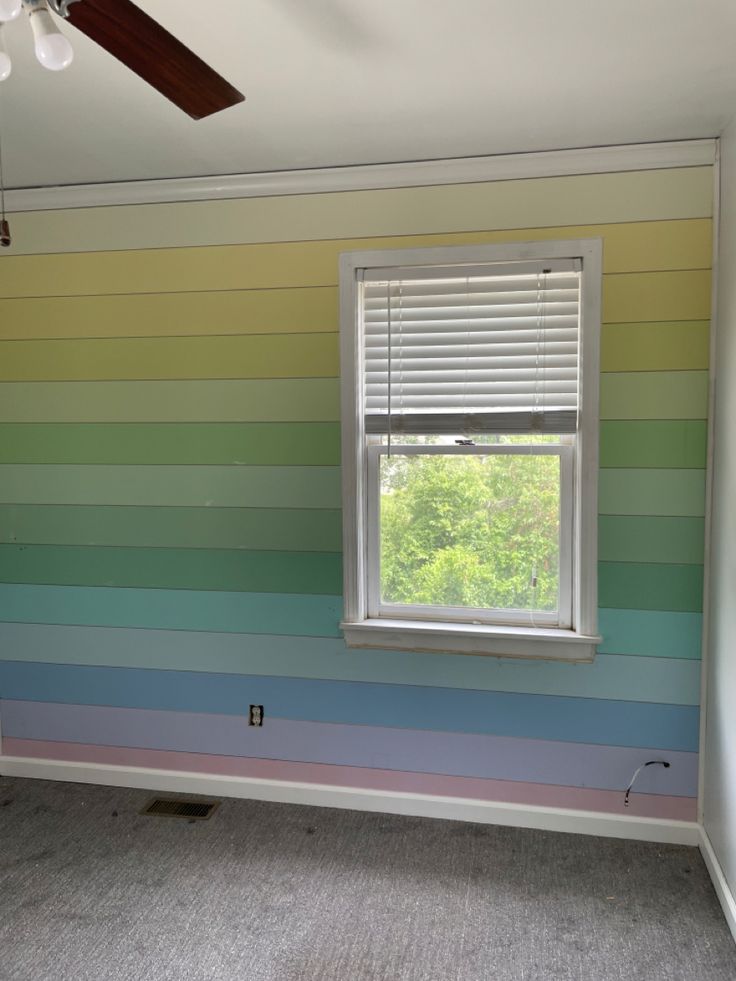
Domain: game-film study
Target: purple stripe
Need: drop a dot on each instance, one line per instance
(456, 754)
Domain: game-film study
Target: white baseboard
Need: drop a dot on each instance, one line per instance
(322, 795)
(721, 886)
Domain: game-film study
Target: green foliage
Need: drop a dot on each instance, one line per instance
(470, 531)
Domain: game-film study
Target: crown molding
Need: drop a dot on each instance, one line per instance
(422, 173)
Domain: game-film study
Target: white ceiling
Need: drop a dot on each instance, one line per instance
(337, 82)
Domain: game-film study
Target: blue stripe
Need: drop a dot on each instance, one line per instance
(596, 721)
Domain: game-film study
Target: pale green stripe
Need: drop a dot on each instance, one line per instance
(584, 199)
(642, 679)
(152, 486)
(272, 400)
(654, 491)
(655, 395)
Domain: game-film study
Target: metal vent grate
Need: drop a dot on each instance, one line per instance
(195, 810)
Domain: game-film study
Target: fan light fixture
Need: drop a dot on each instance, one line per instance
(53, 49)
(6, 66)
(10, 9)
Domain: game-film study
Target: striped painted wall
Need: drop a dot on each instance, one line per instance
(170, 501)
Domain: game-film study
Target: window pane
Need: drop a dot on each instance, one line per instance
(470, 531)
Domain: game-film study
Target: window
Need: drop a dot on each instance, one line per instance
(470, 448)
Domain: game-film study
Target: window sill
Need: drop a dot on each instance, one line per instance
(548, 643)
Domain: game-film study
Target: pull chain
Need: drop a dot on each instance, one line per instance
(5, 239)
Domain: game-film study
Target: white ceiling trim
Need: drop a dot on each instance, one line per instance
(423, 173)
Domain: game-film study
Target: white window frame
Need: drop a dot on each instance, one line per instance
(366, 623)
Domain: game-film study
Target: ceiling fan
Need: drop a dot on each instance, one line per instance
(131, 36)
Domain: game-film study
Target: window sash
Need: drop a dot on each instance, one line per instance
(376, 608)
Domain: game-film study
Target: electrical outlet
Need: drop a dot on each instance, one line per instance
(255, 715)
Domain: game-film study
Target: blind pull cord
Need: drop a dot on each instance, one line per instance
(5, 238)
(388, 306)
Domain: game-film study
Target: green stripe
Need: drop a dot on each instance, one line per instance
(253, 400)
(153, 486)
(650, 539)
(657, 443)
(306, 444)
(633, 586)
(657, 492)
(249, 528)
(230, 570)
(654, 395)
(665, 346)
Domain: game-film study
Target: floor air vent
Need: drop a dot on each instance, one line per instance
(195, 810)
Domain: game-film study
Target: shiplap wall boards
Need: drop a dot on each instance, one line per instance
(170, 502)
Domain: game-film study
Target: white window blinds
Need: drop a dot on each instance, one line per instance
(489, 348)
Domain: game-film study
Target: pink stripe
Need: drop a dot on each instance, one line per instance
(500, 791)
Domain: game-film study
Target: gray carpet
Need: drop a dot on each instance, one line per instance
(91, 891)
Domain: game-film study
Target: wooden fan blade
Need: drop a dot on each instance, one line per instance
(134, 38)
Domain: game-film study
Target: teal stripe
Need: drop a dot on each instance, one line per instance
(219, 569)
(650, 632)
(251, 528)
(650, 539)
(641, 679)
(262, 444)
(657, 492)
(634, 586)
(255, 487)
(248, 613)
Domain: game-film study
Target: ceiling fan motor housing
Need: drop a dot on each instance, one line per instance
(61, 7)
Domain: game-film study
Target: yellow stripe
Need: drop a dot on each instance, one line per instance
(259, 356)
(642, 297)
(171, 314)
(628, 248)
(585, 199)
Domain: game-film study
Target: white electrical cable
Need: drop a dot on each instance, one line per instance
(663, 763)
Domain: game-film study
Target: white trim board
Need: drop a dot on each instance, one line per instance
(723, 890)
(322, 795)
(422, 173)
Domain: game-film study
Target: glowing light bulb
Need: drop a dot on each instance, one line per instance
(9, 9)
(6, 65)
(53, 50)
